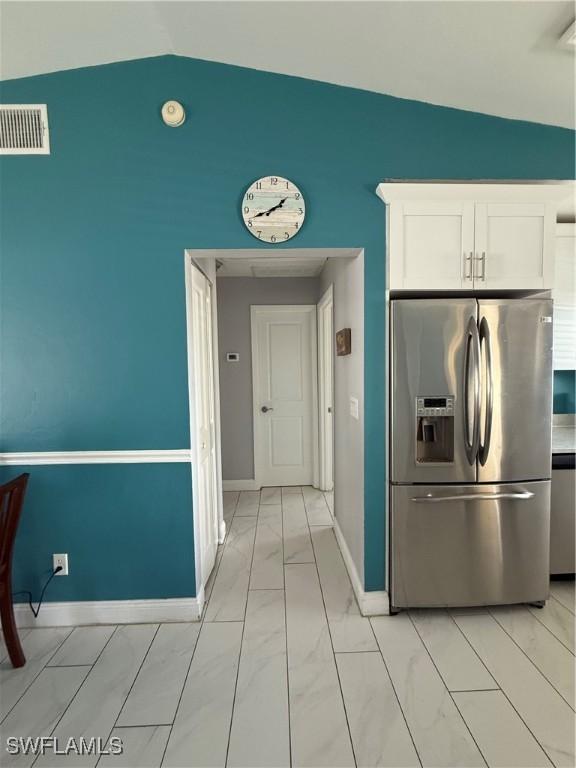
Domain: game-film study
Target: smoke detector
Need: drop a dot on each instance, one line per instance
(173, 113)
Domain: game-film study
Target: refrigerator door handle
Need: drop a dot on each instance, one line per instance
(472, 343)
(431, 499)
(487, 344)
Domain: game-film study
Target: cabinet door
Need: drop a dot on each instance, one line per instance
(564, 295)
(514, 245)
(431, 245)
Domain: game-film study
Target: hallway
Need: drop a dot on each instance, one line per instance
(284, 671)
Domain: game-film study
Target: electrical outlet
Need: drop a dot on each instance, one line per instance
(62, 561)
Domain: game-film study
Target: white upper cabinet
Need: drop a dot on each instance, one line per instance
(514, 245)
(433, 244)
(564, 295)
(471, 236)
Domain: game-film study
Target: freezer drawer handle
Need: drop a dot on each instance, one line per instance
(429, 498)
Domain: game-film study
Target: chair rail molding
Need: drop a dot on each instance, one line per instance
(182, 456)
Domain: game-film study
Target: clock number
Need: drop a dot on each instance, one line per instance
(300, 210)
(296, 225)
(246, 209)
(249, 196)
(286, 236)
(259, 233)
(258, 185)
(249, 223)
(272, 238)
(287, 185)
(273, 180)
(297, 196)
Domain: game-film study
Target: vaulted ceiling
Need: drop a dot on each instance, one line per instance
(501, 58)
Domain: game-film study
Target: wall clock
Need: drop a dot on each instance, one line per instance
(273, 209)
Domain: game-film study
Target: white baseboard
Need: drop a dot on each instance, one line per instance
(240, 485)
(111, 612)
(370, 603)
(221, 531)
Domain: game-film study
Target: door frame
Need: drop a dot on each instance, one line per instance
(193, 395)
(254, 309)
(325, 388)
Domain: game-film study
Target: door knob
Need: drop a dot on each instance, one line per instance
(265, 409)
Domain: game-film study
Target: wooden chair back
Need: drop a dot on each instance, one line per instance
(11, 501)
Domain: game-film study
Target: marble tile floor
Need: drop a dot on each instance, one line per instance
(284, 671)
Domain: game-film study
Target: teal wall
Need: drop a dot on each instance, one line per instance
(92, 240)
(564, 391)
(127, 529)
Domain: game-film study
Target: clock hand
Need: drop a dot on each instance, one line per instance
(280, 204)
(269, 211)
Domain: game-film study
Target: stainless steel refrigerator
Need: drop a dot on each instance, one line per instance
(471, 411)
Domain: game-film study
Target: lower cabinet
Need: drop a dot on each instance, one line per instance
(563, 515)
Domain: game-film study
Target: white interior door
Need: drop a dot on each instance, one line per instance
(326, 389)
(203, 433)
(284, 375)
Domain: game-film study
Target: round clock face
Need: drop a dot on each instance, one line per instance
(273, 209)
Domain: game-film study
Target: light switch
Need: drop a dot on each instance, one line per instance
(354, 412)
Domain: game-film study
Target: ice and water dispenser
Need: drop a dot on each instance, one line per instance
(434, 429)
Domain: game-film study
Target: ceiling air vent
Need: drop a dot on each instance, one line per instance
(24, 129)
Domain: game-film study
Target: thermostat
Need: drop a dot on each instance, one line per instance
(232, 357)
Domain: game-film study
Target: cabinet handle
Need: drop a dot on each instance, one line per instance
(482, 260)
(468, 266)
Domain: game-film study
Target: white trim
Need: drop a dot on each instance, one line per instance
(181, 456)
(314, 373)
(488, 191)
(325, 483)
(240, 485)
(273, 253)
(565, 230)
(216, 394)
(254, 310)
(111, 612)
(387, 419)
(370, 603)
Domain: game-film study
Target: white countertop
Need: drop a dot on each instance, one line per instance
(563, 433)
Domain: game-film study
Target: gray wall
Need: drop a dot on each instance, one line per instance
(347, 277)
(235, 295)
